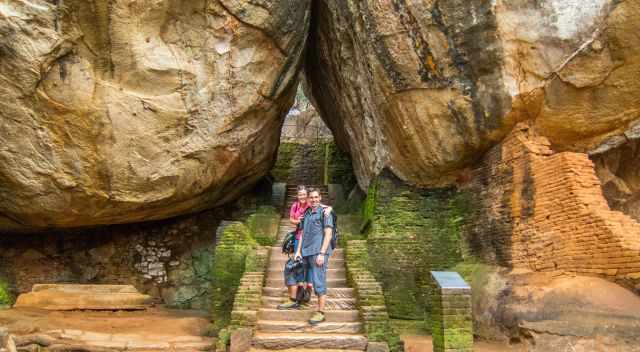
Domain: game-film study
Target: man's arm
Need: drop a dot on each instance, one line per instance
(328, 234)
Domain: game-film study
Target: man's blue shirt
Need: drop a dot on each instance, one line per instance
(313, 231)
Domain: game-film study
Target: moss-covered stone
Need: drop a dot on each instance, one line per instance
(411, 232)
(228, 267)
(338, 166)
(283, 165)
(5, 296)
(371, 302)
(263, 225)
(320, 163)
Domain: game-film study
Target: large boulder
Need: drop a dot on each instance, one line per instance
(122, 111)
(425, 87)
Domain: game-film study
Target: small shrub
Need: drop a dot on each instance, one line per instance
(5, 296)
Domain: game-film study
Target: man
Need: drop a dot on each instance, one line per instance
(314, 248)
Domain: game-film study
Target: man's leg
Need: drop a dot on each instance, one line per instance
(319, 278)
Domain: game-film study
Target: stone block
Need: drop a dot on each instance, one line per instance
(377, 347)
(241, 340)
(87, 297)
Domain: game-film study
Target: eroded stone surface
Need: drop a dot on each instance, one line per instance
(119, 112)
(83, 297)
(425, 87)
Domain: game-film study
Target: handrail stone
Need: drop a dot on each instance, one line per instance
(451, 313)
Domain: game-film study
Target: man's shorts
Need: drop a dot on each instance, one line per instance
(291, 278)
(317, 275)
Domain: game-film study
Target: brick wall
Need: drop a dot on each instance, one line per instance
(545, 211)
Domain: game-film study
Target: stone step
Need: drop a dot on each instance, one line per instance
(79, 340)
(301, 350)
(305, 314)
(330, 304)
(277, 251)
(281, 259)
(331, 283)
(280, 341)
(333, 293)
(83, 297)
(276, 272)
(298, 326)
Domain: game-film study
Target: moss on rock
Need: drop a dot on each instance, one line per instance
(410, 233)
(228, 266)
(263, 225)
(5, 296)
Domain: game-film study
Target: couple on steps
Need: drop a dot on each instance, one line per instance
(312, 246)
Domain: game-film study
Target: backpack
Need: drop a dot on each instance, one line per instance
(334, 237)
(287, 244)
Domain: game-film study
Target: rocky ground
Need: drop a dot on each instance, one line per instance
(416, 343)
(155, 328)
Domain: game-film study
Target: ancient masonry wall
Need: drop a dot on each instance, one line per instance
(409, 233)
(313, 164)
(545, 211)
(169, 259)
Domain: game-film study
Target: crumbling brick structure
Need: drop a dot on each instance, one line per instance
(545, 211)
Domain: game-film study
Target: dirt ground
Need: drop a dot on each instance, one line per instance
(415, 343)
(153, 321)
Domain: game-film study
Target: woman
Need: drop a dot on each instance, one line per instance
(294, 281)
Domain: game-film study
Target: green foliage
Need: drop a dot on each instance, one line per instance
(228, 267)
(369, 206)
(5, 296)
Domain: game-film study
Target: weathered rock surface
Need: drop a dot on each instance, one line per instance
(555, 312)
(116, 112)
(425, 87)
(83, 297)
(618, 171)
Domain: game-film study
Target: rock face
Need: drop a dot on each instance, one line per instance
(618, 171)
(117, 112)
(425, 87)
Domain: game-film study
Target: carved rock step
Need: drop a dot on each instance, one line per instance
(337, 254)
(279, 263)
(331, 273)
(83, 297)
(79, 340)
(331, 283)
(281, 292)
(280, 341)
(301, 326)
(304, 315)
(331, 303)
(302, 350)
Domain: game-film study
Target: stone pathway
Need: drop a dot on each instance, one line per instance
(155, 329)
(289, 330)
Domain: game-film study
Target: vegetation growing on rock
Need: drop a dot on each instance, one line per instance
(5, 296)
(228, 266)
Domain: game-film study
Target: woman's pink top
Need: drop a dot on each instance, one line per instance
(296, 212)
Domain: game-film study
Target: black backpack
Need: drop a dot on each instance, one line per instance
(334, 237)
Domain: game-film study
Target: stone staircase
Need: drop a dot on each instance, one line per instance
(288, 330)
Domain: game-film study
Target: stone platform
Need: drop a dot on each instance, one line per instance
(83, 297)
